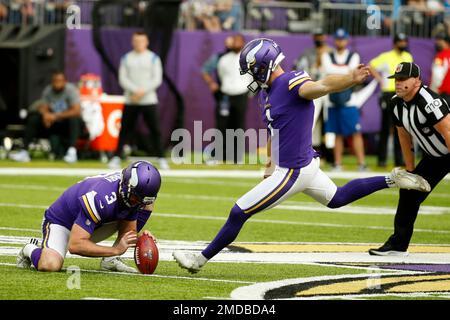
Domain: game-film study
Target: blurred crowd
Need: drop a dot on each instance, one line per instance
(418, 17)
(212, 15)
(339, 118)
(337, 125)
(33, 11)
(235, 15)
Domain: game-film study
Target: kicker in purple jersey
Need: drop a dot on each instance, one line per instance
(90, 203)
(290, 119)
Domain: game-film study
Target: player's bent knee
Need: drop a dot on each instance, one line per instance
(334, 205)
(49, 266)
(51, 261)
(238, 214)
(236, 210)
(337, 201)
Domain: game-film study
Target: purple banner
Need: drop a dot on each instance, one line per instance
(190, 49)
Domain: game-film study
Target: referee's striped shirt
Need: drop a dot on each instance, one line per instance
(419, 116)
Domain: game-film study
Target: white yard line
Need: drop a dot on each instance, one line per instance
(255, 220)
(199, 245)
(241, 174)
(203, 181)
(209, 182)
(31, 187)
(20, 229)
(186, 181)
(166, 247)
(286, 222)
(80, 172)
(149, 275)
(22, 206)
(360, 210)
(433, 194)
(314, 207)
(97, 298)
(343, 266)
(287, 205)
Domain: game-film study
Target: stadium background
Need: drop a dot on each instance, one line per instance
(97, 44)
(297, 241)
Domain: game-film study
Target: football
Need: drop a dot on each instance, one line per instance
(146, 254)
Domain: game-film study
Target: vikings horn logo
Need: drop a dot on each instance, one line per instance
(250, 58)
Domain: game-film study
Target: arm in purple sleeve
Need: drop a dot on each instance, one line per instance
(142, 217)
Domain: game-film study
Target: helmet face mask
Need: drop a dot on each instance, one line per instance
(259, 58)
(139, 185)
(255, 86)
(135, 201)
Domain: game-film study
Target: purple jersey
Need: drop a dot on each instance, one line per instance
(90, 203)
(289, 119)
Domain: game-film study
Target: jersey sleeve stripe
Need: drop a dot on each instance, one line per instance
(428, 98)
(90, 198)
(302, 75)
(439, 144)
(89, 209)
(396, 112)
(300, 81)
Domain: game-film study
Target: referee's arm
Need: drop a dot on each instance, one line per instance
(407, 146)
(443, 127)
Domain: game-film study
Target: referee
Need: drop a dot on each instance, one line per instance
(422, 115)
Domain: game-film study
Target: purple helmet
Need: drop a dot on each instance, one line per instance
(259, 58)
(142, 180)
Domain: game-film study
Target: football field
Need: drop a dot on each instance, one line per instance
(298, 250)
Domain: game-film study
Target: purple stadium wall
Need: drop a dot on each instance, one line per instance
(190, 49)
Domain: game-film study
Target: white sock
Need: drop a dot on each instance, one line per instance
(201, 259)
(28, 249)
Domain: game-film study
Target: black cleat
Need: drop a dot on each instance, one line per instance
(388, 250)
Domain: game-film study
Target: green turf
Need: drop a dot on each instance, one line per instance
(173, 283)
(251, 163)
(199, 202)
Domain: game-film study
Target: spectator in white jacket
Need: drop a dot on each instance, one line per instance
(140, 75)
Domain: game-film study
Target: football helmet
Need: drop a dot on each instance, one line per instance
(259, 58)
(139, 184)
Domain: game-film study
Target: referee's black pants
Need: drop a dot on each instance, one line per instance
(128, 125)
(387, 124)
(433, 169)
